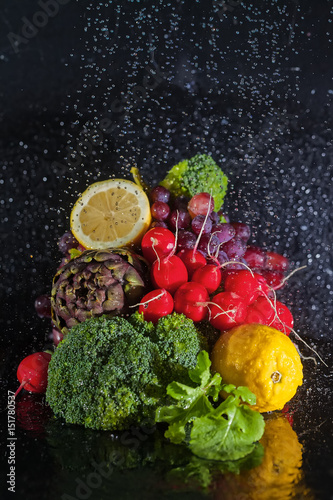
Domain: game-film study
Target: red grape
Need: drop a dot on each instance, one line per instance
(199, 222)
(243, 231)
(255, 257)
(186, 239)
(235, 248)
(276, 262)
(200, 204)
(160, 211)
(43, 306)
(224, 231)
(159, 193)
(180, 218)
(67, 242)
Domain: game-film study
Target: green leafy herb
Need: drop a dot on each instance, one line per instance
(228, 431)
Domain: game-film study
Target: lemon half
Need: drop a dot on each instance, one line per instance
(111, 214)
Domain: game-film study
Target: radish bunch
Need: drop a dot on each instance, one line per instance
(205, 269)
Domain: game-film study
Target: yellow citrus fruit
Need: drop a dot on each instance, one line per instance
(261, 358)
(111, 214)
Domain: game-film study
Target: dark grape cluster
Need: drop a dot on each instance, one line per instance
(220, 240)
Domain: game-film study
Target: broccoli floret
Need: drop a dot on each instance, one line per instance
(199, 174)
(179, 343)
(111, 373)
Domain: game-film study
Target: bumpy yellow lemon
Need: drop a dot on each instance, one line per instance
(261, 358)
(111, 214)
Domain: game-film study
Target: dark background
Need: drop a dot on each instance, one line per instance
(249, 83)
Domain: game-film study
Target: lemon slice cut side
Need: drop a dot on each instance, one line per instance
(111, 214)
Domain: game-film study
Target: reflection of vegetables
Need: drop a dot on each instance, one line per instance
(111, 373)
(78, 450)
(201, 473)
(227, 432)
(197, 175)
(278, 476)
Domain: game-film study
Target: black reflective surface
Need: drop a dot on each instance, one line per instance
(251, 85)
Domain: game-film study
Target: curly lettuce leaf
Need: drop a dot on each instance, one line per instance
(228, 432)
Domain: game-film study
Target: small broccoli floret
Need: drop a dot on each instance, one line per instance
(147, 328)
(111, 373)
(179, 343)
(199, 174)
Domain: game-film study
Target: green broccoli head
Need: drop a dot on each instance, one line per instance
(199, 174)
(111, 373)
(101, 375)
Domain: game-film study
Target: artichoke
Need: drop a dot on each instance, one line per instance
(96, 282)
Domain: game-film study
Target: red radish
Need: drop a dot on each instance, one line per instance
(156, 304)
(260, 311)
(244, 283)
(276, 262)
(157, 242)
(255, 257)
(264, 307)
(209, 276)
(193, 259)
(32, 372)
(227, 309)
(275, 279)
(200, 204)
(283, 319)
(265, 289)
(169, 273)
(191, 299)
(254, 316)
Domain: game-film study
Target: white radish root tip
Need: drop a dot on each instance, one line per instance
(150, 300)
(202, 227)
(153, 243)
